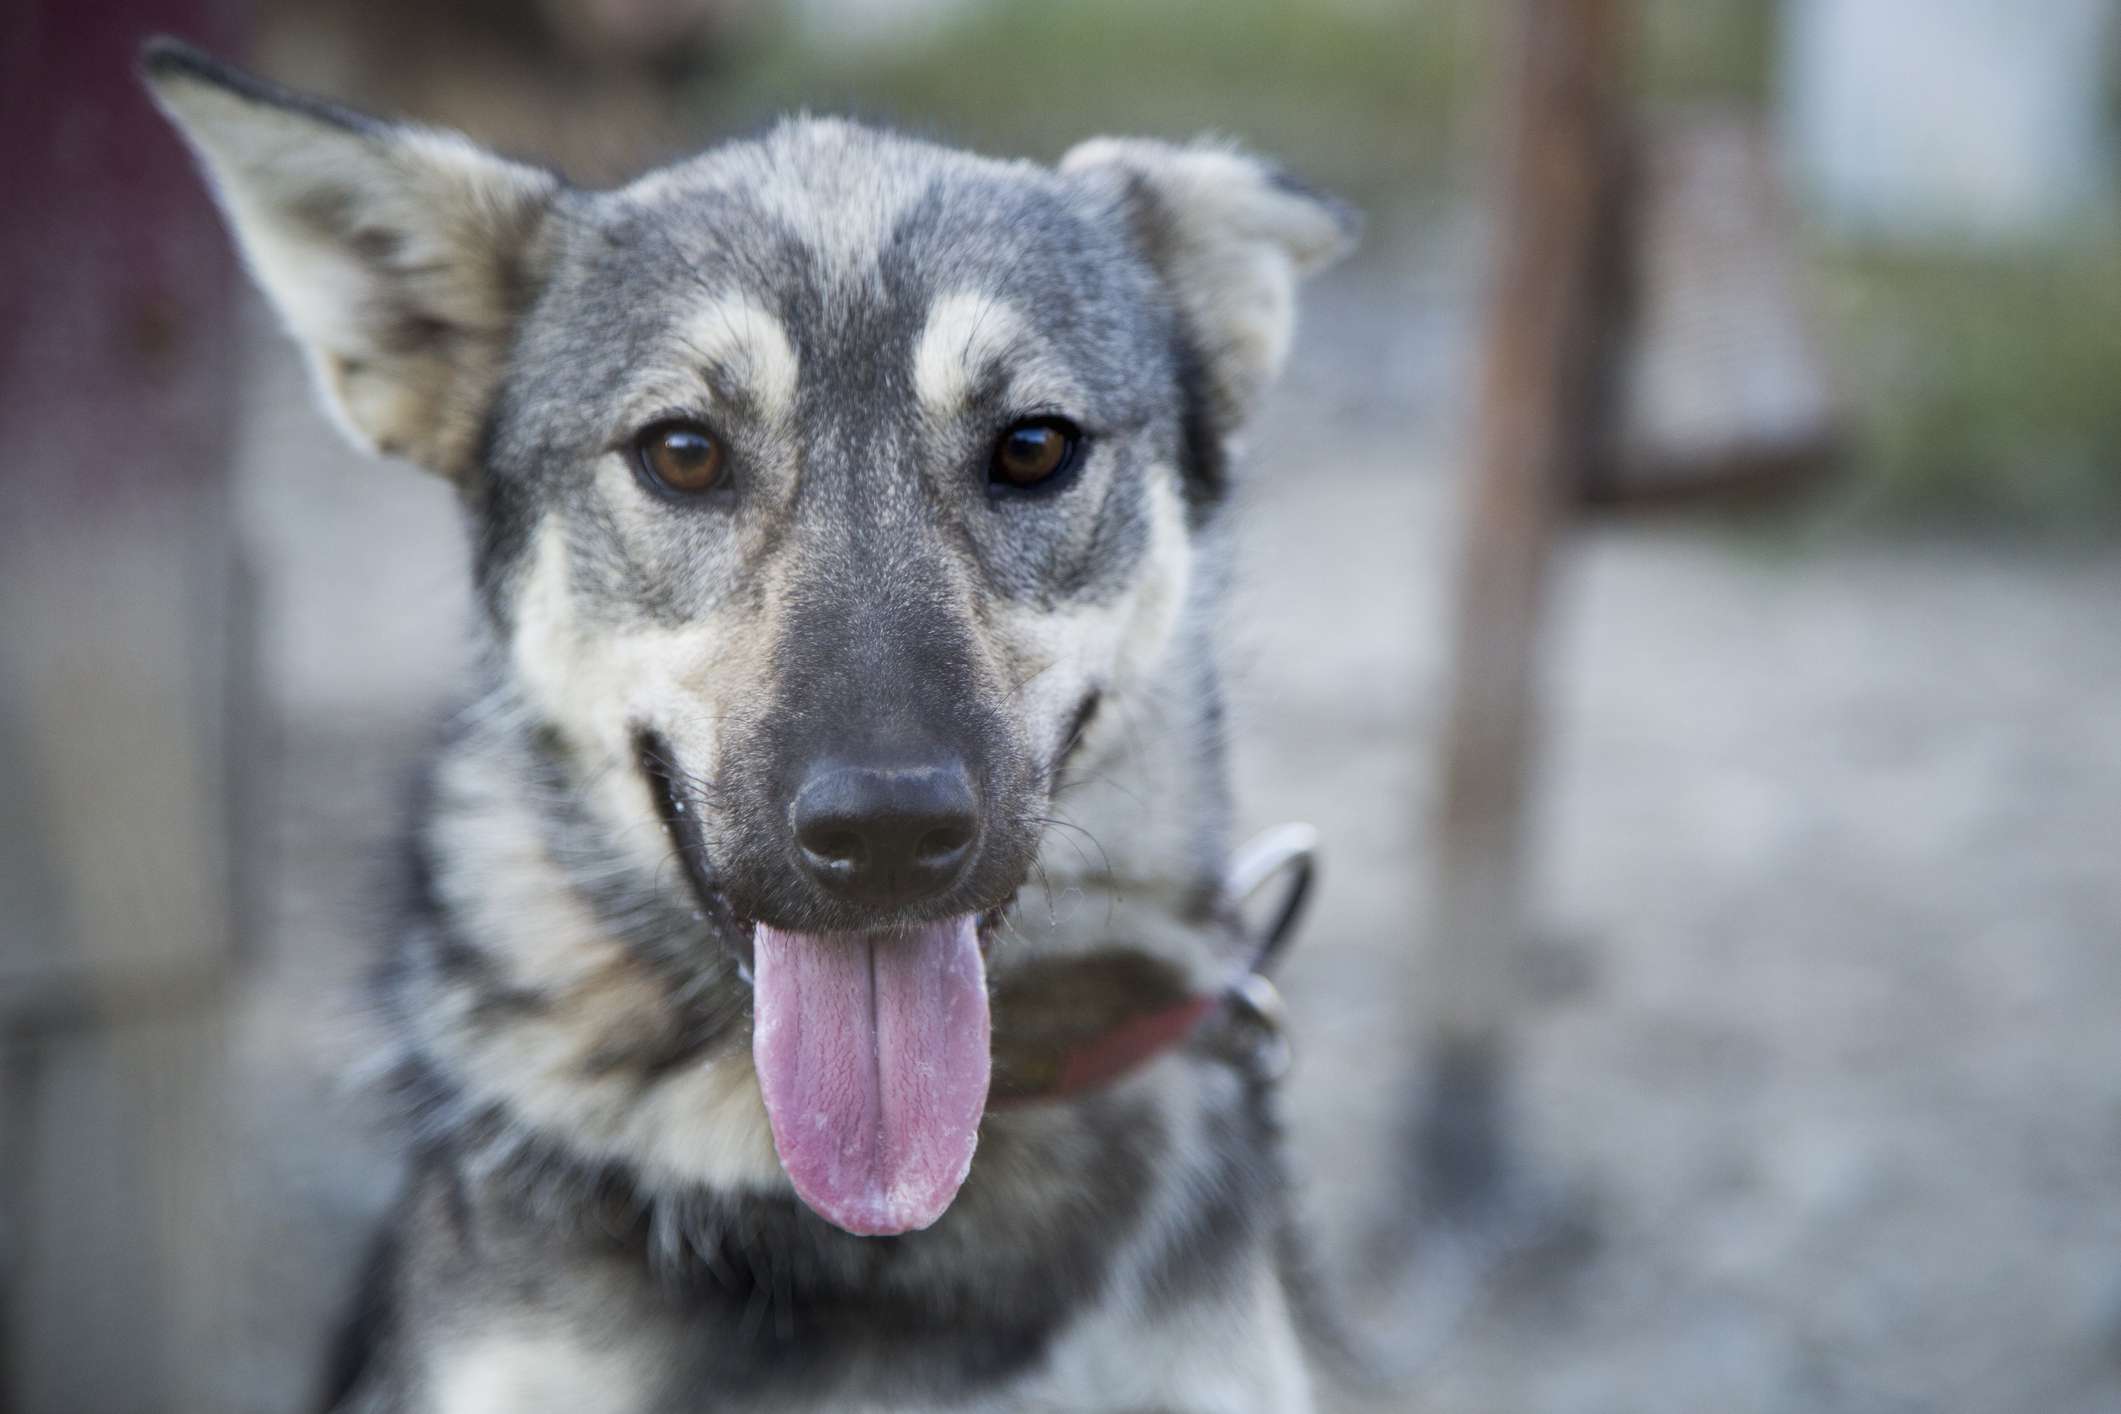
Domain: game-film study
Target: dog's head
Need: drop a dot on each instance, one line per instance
(821, 484)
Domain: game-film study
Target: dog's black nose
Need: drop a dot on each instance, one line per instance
(889, 836)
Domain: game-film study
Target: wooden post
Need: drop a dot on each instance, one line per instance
(1537, 426)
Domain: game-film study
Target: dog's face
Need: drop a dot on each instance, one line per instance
(823, 486)
(848, 473)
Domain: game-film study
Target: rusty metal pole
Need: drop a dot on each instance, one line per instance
(1538, 423)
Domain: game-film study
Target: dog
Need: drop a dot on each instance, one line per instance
(814, 988)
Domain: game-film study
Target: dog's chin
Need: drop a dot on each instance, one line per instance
(748, 912)
(743, 920)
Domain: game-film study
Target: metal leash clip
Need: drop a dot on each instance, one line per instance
(1285, 851)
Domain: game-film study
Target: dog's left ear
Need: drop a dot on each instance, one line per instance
(1230, 235)
(400, 258)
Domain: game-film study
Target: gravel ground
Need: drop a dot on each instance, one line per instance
(1820, 1022)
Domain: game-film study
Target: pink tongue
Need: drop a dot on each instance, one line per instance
(872, 1055)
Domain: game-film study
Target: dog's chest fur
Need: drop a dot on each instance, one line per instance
(1049, 1291)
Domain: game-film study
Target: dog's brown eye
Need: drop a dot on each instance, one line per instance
(1034, 453)
(680, 456)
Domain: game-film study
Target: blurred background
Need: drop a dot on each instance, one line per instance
(1680, 576)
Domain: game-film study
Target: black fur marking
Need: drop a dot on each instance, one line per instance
(163, 58)
(369, 1323)
(504, 512)
(1072, 740)
(659, 764)
(1203, 455)
(333, 213)
(682, 823)
(405, 331)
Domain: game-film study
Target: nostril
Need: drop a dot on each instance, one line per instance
(834, 844)
(942, 845)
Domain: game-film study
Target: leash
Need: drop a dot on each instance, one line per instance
(1109, 1014)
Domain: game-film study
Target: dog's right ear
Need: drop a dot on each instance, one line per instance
(399, 257)
(1230, 236)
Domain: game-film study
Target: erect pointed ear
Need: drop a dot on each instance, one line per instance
(1230, 235)
(399, 257)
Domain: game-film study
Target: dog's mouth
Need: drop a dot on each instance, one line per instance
(872, 1047)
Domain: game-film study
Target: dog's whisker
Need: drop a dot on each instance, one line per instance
(1104, 859)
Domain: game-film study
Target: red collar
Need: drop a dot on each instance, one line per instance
(1244, 1026)
(1064, 1026)
(1105, 1056)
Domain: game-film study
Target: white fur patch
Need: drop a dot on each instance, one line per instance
(595, 684)
(828, 183)
(849, 201)
(705, 1126)
(964, 332)
(970, 336)
(548, 1371)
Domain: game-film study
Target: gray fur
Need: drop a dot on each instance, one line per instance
(591, 1221)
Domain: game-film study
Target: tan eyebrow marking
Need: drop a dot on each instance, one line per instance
(749, 345)
(965, 331)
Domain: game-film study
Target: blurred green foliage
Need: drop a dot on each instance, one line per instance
(1707, 50)
(1362, 95)
(1987, 387)
(1366, 95)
